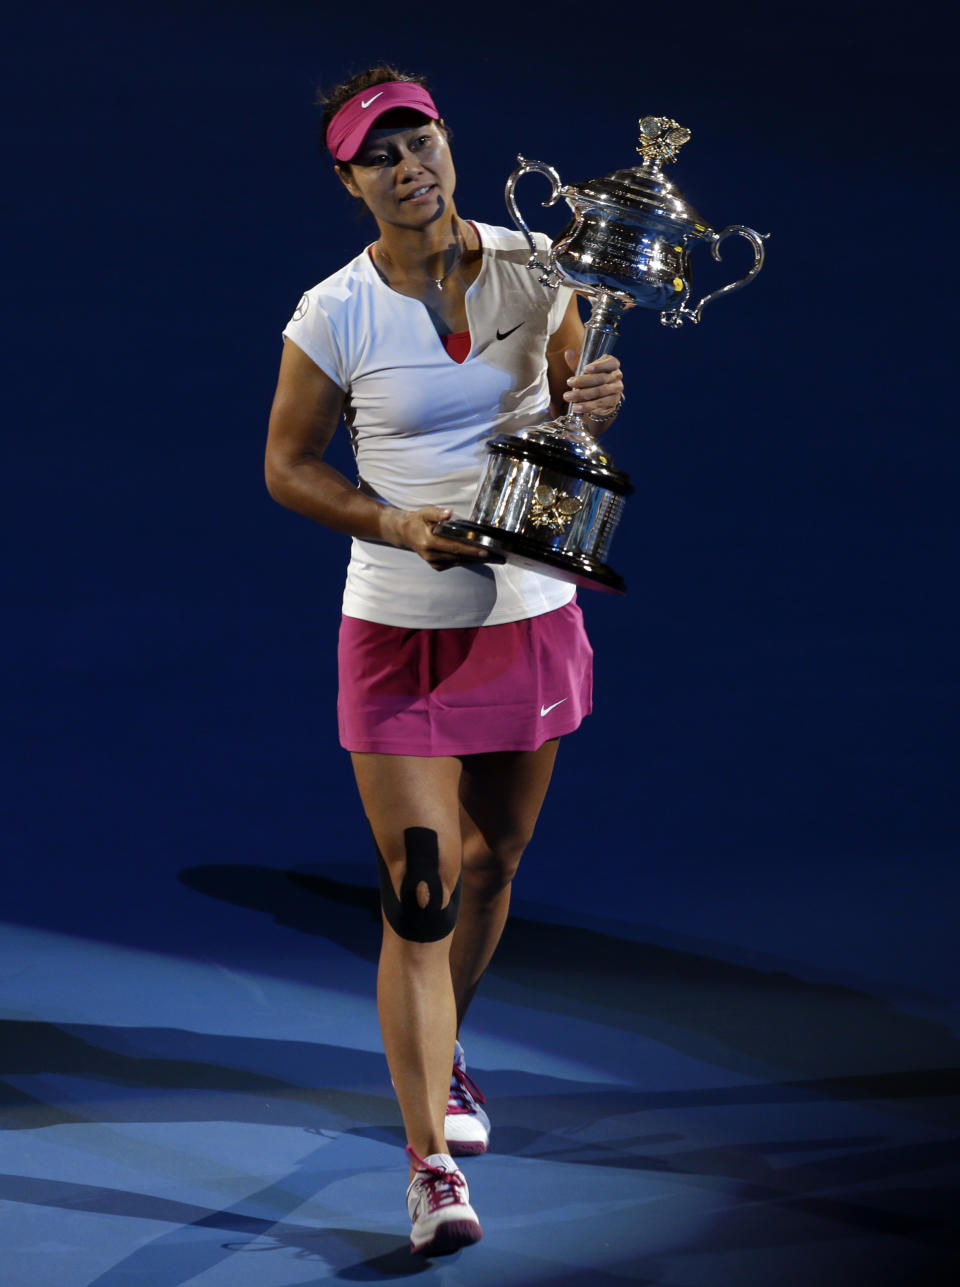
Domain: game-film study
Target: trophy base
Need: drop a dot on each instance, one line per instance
(512, 547)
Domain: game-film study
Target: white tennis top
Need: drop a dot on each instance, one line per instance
(419, 421)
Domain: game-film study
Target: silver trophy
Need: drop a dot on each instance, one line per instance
(550, 497)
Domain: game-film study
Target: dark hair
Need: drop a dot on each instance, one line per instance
(332, 102)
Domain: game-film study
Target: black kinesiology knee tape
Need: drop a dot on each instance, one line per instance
(418, 915)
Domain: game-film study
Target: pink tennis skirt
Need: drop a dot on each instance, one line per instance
(463, 691)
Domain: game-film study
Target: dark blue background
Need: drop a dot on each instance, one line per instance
(770, 762)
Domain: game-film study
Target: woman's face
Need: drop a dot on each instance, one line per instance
(405, 176)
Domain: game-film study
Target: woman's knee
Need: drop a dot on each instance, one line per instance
(420, 887)
(490, 867)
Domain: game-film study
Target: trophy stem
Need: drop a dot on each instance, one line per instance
(602, 329)
(601, 333)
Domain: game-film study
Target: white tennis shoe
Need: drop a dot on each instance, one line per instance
(466, 1126)
(438, 1201)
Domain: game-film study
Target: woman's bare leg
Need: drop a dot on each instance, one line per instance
(415, 996)
(500, 800)
(482, 810)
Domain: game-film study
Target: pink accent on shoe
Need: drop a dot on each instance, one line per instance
(424, 1167)
(461, 1081)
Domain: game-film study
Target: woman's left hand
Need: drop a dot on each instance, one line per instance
(597, 390)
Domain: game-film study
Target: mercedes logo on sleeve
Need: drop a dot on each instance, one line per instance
(301, 309)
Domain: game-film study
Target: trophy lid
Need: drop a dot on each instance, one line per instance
(644, 189)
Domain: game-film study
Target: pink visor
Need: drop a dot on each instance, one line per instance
(347, 130)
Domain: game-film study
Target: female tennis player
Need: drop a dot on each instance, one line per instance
(457, 677)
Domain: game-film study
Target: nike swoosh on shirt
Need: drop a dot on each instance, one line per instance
(545, 710)
(365, 102)
(502, 335)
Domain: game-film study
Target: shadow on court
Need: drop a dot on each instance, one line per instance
(746, 1019)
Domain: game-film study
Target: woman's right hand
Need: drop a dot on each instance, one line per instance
(413, 530)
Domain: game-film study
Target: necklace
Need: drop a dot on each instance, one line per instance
(438, 281)
(380, 253)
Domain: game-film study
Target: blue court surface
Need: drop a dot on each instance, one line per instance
(666, 1109)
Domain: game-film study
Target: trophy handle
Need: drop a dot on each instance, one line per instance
(676, 317)
(548, 273)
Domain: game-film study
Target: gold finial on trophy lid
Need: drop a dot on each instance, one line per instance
(660, 140)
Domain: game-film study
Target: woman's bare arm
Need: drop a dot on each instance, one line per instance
(306, 410)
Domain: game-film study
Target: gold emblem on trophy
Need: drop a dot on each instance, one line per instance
(553, 508)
